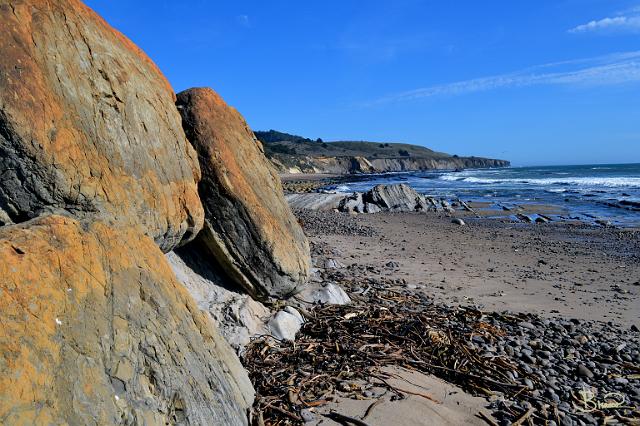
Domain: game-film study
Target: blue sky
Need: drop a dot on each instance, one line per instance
(544, 82)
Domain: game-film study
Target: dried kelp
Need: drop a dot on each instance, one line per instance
(340, 348)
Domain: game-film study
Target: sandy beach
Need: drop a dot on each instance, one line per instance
(558, 272)
(553, 269)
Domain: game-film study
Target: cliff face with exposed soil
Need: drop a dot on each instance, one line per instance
(405, 164)
(295, 154)
(349, 165)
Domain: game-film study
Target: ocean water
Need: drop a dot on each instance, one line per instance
(586, 192)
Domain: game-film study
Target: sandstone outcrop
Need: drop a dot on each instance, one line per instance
(88, 125)
(97, 330)
(249, 228)
(389, 198)
(98, 180)
(395, 198)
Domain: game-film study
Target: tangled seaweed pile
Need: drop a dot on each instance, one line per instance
(343, 349)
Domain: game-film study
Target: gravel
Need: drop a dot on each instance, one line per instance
(334, 223)
(558, 358)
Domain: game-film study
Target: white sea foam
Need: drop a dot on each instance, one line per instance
(343, 188)
(578, 181)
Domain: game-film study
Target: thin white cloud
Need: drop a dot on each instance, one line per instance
(634, 10)
(616, 68)
(243, 20)
(627, 21)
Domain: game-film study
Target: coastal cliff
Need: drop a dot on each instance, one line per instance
(350, 165)
(295, 154)
(405, 164)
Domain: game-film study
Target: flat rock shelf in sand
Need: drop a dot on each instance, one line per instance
(249, 228)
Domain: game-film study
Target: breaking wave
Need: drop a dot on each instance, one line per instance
(632, 182)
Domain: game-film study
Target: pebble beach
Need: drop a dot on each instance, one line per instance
(561, 298)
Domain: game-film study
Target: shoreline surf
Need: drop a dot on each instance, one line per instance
(608, 193)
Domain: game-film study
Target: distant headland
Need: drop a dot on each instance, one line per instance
(297, 154)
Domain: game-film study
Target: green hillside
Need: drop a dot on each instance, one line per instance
(284, 143)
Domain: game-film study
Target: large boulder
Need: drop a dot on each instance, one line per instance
(395, 198)
(97, 330)
(88, 125)
(352, 203)
(249, 228)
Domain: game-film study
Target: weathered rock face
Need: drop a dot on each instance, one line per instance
(88, 125)
(398, 197)
(236, 315)
(390, 198)
(352, 203)
(97, 330)
(249, 228)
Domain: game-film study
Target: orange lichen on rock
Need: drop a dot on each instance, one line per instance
(98, 179)
(96, 330)
(249, 226)
(89, 125)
